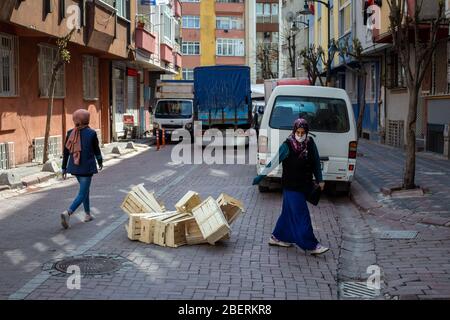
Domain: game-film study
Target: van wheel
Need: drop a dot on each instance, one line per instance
(263, 189)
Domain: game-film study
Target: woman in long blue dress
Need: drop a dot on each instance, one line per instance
(300, 160)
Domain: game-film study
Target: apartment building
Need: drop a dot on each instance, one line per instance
(108, 73)
(213, 33)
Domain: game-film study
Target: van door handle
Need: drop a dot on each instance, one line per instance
(324, 158)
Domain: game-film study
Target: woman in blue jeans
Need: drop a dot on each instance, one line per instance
(80, 154)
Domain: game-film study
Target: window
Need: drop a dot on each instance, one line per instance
(226, 23)
(191, 22)
(167, 24)
(47, 56)
(274, 12)
(345, 17)
(90, 77)
(397, 72)
(8, 66)
(174, 109)
(230, 47)
(190, 48)
(188, 74)
(230, 1)
(322, 114)
(267, 13)
(120, 5)
(372, 84)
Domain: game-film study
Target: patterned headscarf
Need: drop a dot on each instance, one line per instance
(81, 120)
(300, 148)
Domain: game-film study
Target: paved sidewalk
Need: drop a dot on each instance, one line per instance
(418, 267)
(31, 174)
(382, 166)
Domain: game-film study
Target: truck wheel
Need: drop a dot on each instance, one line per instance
(263, 189)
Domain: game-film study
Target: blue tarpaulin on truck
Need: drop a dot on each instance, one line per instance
(222, 94)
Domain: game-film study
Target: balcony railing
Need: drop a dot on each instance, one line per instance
(145, 40)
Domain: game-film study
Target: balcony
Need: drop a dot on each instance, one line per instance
(145, 40)
(177, 9)
(101, 25)
(166, 53)
(230, 7)
(428, 12)
(178, 60)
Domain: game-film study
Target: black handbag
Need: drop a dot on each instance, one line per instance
(314, 196)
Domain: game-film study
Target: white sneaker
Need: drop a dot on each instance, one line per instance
(65, 217)
(88, 218)
(319, 250)
(276, 242)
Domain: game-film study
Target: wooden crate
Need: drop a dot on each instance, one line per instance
(230, 206)
(175, 232)
(148, 198)
(139, 200)
(211, 220)
(134, 226)
(148, 225)
(189, 201)
(193, 233)
(159, 234)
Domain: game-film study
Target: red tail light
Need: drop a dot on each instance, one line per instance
(352, 149)
(351, 167)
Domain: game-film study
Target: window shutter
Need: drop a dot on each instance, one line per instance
(95, 78)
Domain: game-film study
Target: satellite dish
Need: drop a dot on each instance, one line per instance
(290, 16)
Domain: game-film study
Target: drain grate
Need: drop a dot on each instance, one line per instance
(397, 234)
(89, 265)
(357, 290)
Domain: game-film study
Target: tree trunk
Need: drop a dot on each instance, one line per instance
(51, 92)
(361, 105)
(410, 164)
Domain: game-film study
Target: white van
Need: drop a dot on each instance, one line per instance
(332, 126)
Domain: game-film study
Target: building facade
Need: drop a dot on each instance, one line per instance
(106, 75)
(213, 33)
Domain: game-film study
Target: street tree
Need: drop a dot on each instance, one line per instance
(312, 57)
(318, 63)
(415, 50)
(289, 37)
(62, 57)
(266, 53)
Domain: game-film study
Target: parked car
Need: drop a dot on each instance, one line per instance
(332, 126)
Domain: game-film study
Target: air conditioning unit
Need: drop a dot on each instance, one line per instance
(7, 158)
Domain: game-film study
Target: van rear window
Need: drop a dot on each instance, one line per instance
(174, 109)
(322, 114)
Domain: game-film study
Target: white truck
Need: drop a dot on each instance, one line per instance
(174, 106)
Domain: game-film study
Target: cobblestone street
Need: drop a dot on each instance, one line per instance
(243, 267)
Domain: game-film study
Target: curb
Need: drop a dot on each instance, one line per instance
(43, 176)
(365, 202)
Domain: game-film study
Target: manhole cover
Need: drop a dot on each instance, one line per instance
(397, 234)
(89, 265)
(358, 290)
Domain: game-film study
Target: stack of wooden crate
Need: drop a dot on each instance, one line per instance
(194, 221)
